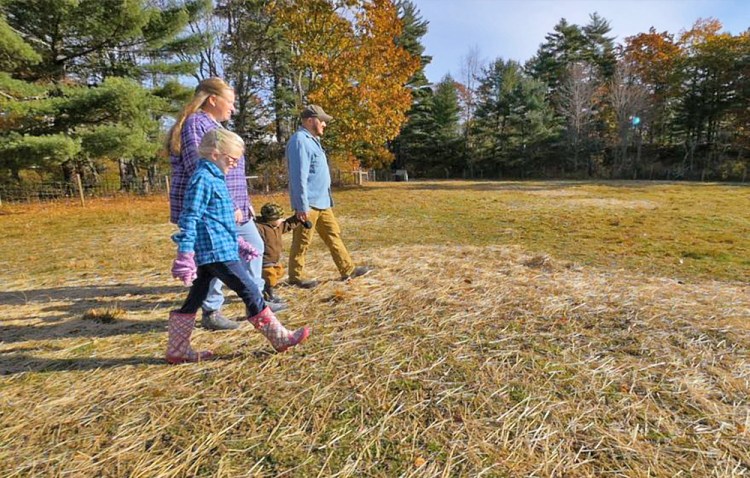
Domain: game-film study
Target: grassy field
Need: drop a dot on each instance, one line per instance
(511, 329)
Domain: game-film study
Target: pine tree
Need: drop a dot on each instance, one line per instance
(88, 40)
(513, 121)
(409, 146)
(564, 46)
(446, 138)
(65, 109)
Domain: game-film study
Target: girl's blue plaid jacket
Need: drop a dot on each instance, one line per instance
(206, 222)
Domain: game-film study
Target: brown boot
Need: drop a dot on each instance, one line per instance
(281, 339)
(178, 347)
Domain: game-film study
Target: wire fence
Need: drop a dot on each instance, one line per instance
(78, 191)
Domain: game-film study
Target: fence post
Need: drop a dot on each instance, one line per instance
(166, 181)
(80, 189)
(146, 186)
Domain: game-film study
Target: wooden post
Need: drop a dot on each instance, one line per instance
(166, 181)
(146, 186)
(80, 189)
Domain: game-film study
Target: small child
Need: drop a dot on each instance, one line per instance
(209, 246)
(271, 226)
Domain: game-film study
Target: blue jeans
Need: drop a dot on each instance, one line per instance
(215, 297)
(234, 274)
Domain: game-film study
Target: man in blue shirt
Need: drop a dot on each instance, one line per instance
(209, 247)
(310, 195)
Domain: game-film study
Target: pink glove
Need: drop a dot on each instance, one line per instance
(184, 268)
(247, 251)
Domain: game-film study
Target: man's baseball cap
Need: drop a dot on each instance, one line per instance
(315, 111)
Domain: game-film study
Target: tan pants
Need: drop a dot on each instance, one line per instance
(328, 229)
(272, 274)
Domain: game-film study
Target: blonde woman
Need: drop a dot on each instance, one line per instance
(212, 104)
(209, 248)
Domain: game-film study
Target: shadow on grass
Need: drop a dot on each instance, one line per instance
(126, 291)
(79, 328)
(71, 303)
(22, 363)
(14, 364)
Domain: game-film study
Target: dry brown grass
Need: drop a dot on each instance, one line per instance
(448, 360)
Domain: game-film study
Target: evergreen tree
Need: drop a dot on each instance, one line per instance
(88, 40)
(513, 121)
(445, 138)
(70, 129)
(599, 49)
(414, 28)
(562, 47)
(569, 44)
(14, 51)
(409, 148)
(65, 110)
(413, 147)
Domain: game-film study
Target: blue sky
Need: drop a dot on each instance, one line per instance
(514, 29)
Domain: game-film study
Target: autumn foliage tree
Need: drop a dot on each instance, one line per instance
(655, 58)
(347, 60)
(714, 62)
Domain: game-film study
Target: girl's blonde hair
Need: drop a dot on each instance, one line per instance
(221, 140)
(206, 88)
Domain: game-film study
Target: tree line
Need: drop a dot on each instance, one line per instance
(90, 87)
(657, 106)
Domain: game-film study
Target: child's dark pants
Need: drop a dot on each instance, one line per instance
(235, 276)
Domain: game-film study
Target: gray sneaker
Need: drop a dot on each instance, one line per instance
(305, 284)
(215, 320)
(358, 272)
(276, 306)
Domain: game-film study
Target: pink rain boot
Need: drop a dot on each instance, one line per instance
(280, 338)
(178, 347)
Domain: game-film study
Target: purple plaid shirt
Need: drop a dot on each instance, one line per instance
(184, 164)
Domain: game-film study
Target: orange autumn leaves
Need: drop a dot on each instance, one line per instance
(659, 59)
(346, 57)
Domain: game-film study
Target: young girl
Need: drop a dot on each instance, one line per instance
(209, 247)
(211, 105)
